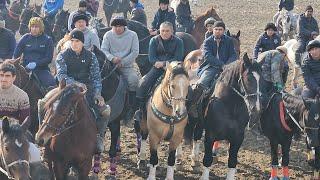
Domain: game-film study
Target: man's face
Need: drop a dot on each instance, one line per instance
(166, 32)
(80, 24)
(82, 9)
(35, 30)
(76, 45)
(218, 32)
(6, 79)
(270, 32)
(309, 13)
(163, 6)
(210, 27)
(315, 53)
(118, 29)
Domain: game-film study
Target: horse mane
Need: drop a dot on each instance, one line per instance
(177, 70)
(292, 103)
(15, 128)
(231, 72)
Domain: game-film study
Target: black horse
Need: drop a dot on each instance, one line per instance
(115, 6)
(60, 26)
(235, 100)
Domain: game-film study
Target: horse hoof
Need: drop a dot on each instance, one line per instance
(112, 172)
(273, 178)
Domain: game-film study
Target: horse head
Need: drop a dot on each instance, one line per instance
(60, 26)
(15, 148)
(236, 41)
(61, 110)
(175, 85)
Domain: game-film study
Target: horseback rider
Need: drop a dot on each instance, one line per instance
(164, 13)
(208, 23)
(184, 19)
(3, 8)
(218, 51)
(287, 5)
(78, 65)
(274, 68)
(37, 49)
(311, 70)
(51, 8)
(14, 101)
(163, 48)
(80, 21)
(81, 10)
(121, 46)
(269, 40)
(138, 13)
(8, 42)
(307, 28)
(93, 7)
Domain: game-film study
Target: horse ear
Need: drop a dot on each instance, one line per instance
(62, 84)
(238, 34)
(228, 33)
(5, 125)
(246, 59)
(306, 103)
(26, 123)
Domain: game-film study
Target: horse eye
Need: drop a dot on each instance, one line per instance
(6, 148)
(172, 86)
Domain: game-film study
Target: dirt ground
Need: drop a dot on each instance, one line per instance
(249, 16)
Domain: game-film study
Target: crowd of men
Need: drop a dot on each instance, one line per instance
(77, 64)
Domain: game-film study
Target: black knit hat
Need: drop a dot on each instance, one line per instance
(219, 24)
(78, 17)
(163, 2)
(313, 44)
(77, 34)
(270, 26)
(134, 1)
(82, 3)
(309, 8)
(118, 21)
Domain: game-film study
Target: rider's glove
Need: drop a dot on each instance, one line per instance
(31, 66)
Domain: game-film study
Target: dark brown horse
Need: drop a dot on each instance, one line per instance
(199, 31)
(115, 6)
(14, 151)
(13, 15)
(69, 131)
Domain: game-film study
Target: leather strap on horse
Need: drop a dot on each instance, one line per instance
(13, 15)
(282, 117)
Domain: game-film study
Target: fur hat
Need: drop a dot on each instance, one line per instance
(77, 34)
(2, 24)
(282, 49)
(163, 2)
(270, 26)
(219, 24)
(210, 20)
(313, 44)
(36, 21)
(134, 1)
(82, 3)
(118, 21)
(79, 16)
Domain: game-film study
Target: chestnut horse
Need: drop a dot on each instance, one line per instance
(68, 131)
(166, 117)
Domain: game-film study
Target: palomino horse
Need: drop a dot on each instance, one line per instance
(68, 131)
(60, 26)
(235, 100)
(166, 117)
(286, 24)
(14, 151)
(284, 116)
(12, 18)
(25, 17)
(115, 6)
(199, 31)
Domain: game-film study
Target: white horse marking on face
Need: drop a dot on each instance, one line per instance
(19, 144)
(316, 117)
(55, 105)
(257, 77)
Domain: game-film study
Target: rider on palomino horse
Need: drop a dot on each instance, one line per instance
(311, 70)
(163, 48)
(121, 46)
(307, 28)
(78, 65)
(184, 19)
(37, 49)
(81, 10)
(218, 51)
(163, 14)
(269, 40)
(138, 13)
(8, 42)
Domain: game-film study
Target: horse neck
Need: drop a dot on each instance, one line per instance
(83, 114)
(158, 98)
(294, 105)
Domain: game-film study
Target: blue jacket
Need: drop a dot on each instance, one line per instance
(226, 50)
(35, 49)
(162, 16)
(52, 6)
(306, 26)
(4, 2)
(266, 43)
(8, 43)
(286, 4)
(311, 73)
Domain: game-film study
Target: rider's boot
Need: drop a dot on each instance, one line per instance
(102, 123)
(195, 99)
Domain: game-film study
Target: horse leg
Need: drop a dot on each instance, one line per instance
(108, 17)
(233, 156)
(207, 158)
(154, 143)
(84, 169)
(179, 154)
(316, 165)
(274, 160)
(285, 159)
(115, 132)
(172, 158)
(60, 172)
(144, 136)
(138, 133)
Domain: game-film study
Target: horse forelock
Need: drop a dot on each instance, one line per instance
(293, 103)
(231, 72)
(63, 96)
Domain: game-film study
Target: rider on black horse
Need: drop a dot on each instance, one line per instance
(218, 51)
(184, 19)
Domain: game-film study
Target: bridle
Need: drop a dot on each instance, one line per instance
(7, 166)
(67, 125)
